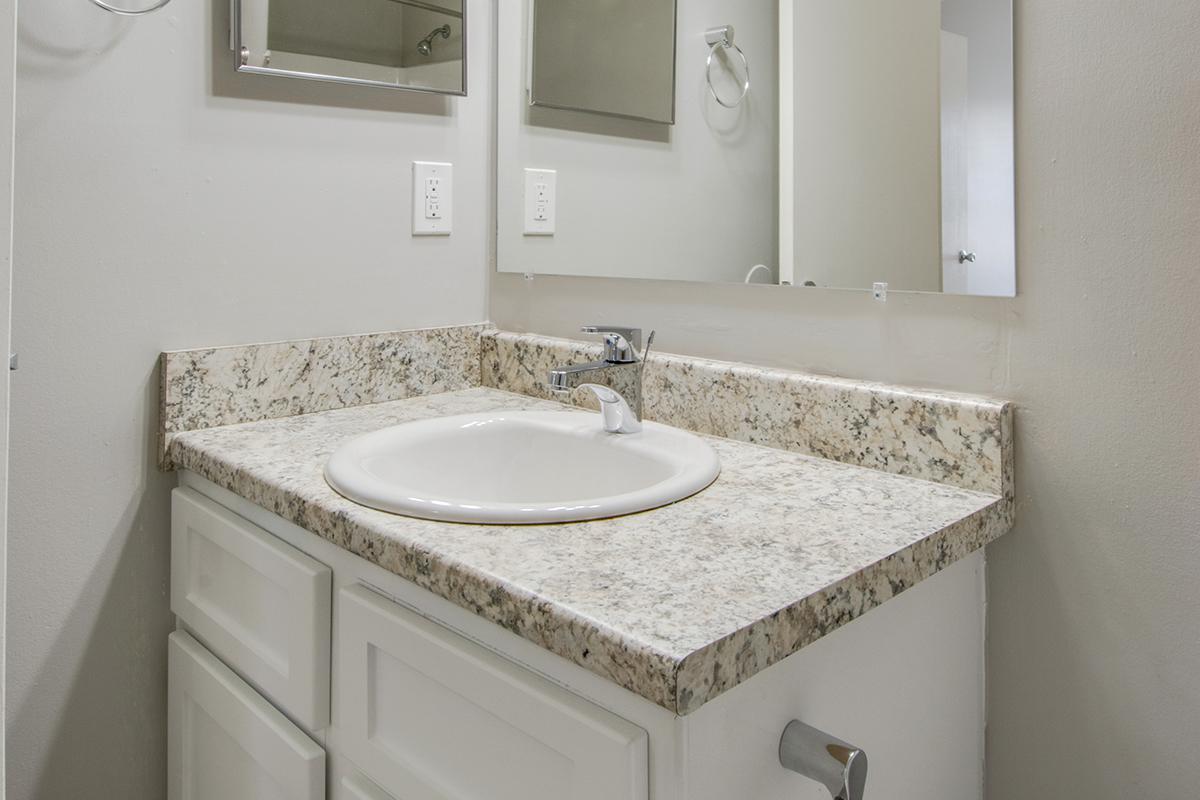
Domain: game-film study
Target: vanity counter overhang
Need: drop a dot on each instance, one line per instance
(676, 604)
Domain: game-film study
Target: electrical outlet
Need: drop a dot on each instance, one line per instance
(433, 198)
(541, 200)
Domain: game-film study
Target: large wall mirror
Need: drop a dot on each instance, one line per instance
(397, 44)
(828, 143)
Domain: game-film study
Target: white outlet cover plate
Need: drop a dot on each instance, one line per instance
(541, 201)
(432, 198)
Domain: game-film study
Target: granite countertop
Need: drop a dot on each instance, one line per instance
(677, 604)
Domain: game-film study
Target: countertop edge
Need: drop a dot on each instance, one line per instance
(770, 640)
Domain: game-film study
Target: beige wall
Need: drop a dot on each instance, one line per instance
(164, 201)
(1093, 647)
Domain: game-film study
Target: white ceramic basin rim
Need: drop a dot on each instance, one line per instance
(520, 467)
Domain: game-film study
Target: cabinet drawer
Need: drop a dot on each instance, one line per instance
(429, 715)
(225, 742)
(254, 600)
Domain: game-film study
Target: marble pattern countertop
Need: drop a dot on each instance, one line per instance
(678, 604)
(243, 383)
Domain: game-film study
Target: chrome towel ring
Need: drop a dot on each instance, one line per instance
(131, 12)
(721, 37)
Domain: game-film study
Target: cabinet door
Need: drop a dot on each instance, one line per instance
(257, 602)
(429, 715)
(353, 786)
(225, 742)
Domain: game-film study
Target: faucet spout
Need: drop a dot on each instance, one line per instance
(617, 387)
(564, 380)
(615, 413)
(616, 380)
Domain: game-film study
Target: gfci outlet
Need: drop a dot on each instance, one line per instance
(541, 199)
(433, 198)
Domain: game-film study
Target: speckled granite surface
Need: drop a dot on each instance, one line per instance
(960, 440)
(677, 604)
(227, 385)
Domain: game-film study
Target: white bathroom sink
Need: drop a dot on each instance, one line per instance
(520, 467)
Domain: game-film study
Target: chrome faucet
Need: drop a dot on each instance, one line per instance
(616, 380)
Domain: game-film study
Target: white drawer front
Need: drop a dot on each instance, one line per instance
(225, 742)
(430, 715)
(257, 602)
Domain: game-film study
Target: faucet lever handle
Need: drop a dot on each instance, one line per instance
(621, 344)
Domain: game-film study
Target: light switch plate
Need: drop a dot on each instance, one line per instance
(432, 198)
(541, 201)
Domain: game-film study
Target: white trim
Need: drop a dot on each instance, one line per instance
(7, 117)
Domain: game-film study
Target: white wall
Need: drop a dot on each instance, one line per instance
(691, 200)
(1093, 684)
(8, 19)
(164, 201)
(867, 143)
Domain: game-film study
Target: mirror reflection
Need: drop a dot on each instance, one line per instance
(830, 143)
(401, 44)
(616, 57)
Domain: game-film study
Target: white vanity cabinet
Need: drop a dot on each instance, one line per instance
(421, 712)
(301, 671)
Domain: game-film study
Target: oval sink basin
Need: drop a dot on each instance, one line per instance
(520, 467)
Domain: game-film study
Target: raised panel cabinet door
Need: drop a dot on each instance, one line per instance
(260, 604)
(225, 742)
(430, 715)
(357, 787)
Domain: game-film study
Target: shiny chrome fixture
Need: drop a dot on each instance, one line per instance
(425, 46)
(839, 766)
(616, 380)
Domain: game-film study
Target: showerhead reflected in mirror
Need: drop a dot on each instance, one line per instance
(425, 46)
(874, 144)
(399, 44)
